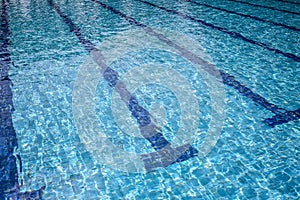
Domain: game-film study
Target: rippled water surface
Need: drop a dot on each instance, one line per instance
(251, 159)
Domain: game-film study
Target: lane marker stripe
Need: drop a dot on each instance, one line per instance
(227, 78)
(246, 16)
(267, 7)
(291, 2)
(73, 28)
(224, 30)
(9, 184)
(157, 140)
(8, 139)
(247, 92)
(112, 77)
(283, 118)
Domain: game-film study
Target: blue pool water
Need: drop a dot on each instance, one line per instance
(240, 60)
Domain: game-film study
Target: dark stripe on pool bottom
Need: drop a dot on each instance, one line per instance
(73, 28)
(291, 2)
(9, 185)
(189, 152)
(227, 78)
(246, 16)
(156, 139)
(8, 139)
(167, 156)
(283, 118)
(267, 7)
(247, 92)
(224, 30)
(32, 195)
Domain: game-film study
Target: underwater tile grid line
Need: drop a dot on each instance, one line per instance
(12, 164)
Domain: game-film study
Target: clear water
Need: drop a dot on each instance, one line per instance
(250, 160)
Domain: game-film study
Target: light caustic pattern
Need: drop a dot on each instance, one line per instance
(132, 118)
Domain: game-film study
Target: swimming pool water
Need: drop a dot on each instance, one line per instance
(257, 153)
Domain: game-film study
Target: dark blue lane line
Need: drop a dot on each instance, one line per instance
(227, 78)
(246, 16)
(9, 185)
(137, 111)
(148, 129)
(165, 157)
(224, 30)
(8, 138)
(266, 7)
(291, 2)
(247, 92)
(73, 28)
(283, 118)
(111, 76)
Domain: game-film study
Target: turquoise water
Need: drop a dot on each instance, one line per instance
(250, 160)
